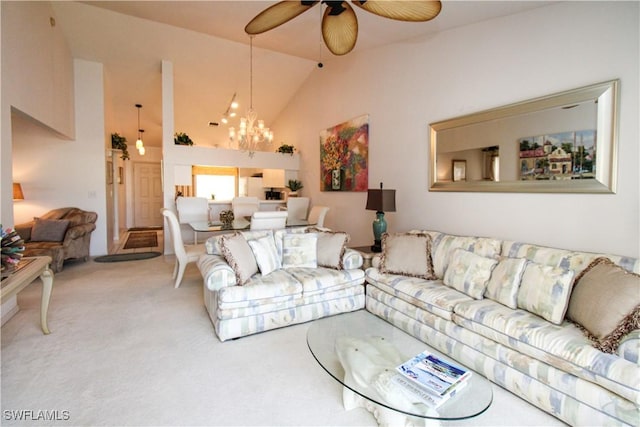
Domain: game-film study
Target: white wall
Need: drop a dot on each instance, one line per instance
(37, 79)
(405, 87)
(65, 173)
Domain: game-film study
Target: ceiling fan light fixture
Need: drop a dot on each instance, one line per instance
(339, 22)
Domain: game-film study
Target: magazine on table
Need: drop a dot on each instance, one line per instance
(412, 389)
(434, 374)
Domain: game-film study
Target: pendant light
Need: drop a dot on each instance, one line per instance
(139, 142)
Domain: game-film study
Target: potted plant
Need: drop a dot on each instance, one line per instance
(120, 143)
(286, 149)
(181, 138)
(294, 185)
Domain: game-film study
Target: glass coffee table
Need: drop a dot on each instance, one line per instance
(361, 351)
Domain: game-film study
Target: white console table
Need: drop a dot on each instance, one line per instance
(32, 269)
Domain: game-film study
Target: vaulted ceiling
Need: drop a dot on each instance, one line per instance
(211, 59)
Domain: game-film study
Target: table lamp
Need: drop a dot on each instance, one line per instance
(380, 201)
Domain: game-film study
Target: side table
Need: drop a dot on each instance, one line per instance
(32, 268)
(367, 255)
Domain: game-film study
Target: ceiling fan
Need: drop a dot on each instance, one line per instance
(339, 22)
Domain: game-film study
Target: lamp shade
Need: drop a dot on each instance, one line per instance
(17, 191)
(381, 200)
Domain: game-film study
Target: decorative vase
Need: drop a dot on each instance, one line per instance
(336, 179)
(227, 217)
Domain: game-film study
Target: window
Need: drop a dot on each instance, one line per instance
(219, 183)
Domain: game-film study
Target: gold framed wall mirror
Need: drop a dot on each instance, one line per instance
(560, 143)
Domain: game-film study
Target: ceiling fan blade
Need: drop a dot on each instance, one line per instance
(402, 10)
(276, 15)
(340, 32)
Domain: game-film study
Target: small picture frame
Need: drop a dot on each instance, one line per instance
(458, 170)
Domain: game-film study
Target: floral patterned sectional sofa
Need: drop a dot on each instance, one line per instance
(255, 281)
(558, 328)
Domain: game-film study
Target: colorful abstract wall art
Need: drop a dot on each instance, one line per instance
(344, 156)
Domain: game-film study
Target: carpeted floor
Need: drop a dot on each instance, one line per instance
(141, 239)
(126, 348)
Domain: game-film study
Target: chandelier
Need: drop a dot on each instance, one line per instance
(251, 132)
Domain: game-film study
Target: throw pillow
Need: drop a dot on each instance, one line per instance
(505, 281)
(331, 247)
(300, 250)
(606, 302)
(238, 254)
(469, 273)
(266, 254)
(49, 230)
(544, 290)
(408, 254)
(212, 245)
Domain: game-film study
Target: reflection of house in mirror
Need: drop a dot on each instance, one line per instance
(562, 156)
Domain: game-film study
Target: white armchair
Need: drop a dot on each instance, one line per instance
(244, 206)
(317, 215)
(192, 209)
(297, 207)
(271, 220)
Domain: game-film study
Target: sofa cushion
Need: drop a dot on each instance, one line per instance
(445, 244)
(576, 261)
(605, 301)
(300, 250)
(545, 291)
(430, 295)
(238, 254)
(563, 346)
(505, 281)
(322, 279)
(331, 247)
(49, 230)
(469, 273)
(266, 255)
(408, 254)
(276, 286)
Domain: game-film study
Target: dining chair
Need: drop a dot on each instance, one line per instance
(271, 220)
(244, 206)
(184, 253)
(317, 215)
(298, 207)
(192, 209)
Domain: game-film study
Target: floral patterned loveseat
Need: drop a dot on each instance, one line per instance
(255, 281)
(556, 327)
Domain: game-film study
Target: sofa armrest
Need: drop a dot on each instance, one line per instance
(375, 261)
(78, 231)
(216, 272)
(351, 259)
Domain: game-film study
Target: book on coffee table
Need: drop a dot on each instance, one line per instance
(434, 374)
(415, 391)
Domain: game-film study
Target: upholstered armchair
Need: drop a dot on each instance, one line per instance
(62, 234)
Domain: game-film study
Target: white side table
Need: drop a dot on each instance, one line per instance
(33, 268)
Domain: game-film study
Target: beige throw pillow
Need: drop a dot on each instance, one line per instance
(331, 247)
(408, 254)
(606, 302)
(49, 230)
(238, 254)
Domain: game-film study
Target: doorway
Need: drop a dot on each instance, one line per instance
(147, 195)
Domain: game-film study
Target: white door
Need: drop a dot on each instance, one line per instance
(147, 195)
